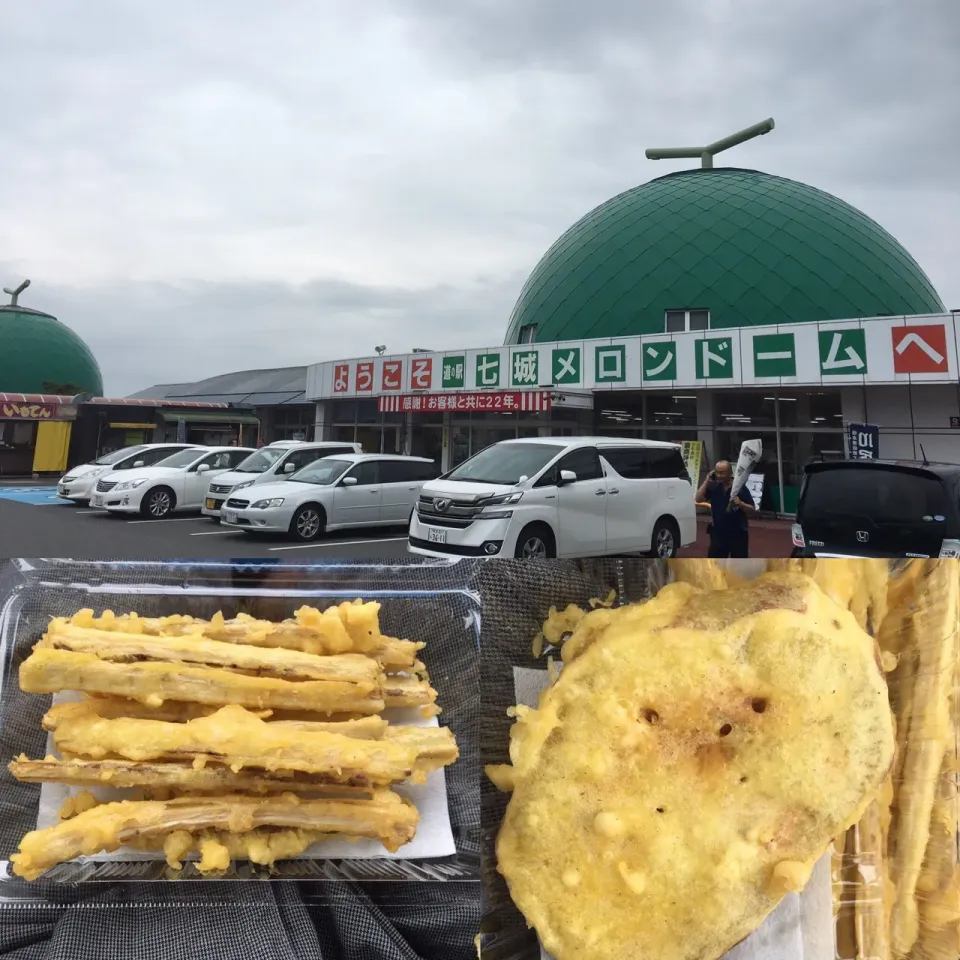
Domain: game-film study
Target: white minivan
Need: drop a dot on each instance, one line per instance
(559, 497)
(277, 461)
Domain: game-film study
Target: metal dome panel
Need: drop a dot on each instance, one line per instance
(752, 248)
(38, 354)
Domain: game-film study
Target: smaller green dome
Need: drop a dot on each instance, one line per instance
(39, 354)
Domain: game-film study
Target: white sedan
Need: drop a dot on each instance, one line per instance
(78, 482)
(348, 490)
(178, 483)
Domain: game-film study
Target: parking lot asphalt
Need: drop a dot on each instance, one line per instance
(34, 523)
(28, 529)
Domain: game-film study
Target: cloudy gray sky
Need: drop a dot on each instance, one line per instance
(197, 188)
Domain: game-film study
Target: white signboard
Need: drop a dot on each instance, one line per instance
(841, 352)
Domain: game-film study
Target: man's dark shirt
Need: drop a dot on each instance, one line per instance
(727, 523)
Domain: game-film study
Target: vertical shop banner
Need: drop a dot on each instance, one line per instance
(692, 451)
(181, 430)
(863, 441)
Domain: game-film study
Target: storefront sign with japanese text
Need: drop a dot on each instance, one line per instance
(836, 353)
(27, 411)
(530, 401)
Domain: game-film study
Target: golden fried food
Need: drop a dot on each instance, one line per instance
(112, 708)
(689, 767)
(50, 671)
(936, 623)
(237, 739)
(386, 817)
(273, 662)
(345, 628)
(171, 775)
(403, 691)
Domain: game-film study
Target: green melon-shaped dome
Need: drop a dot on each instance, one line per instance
(38, 354)
(750, 247)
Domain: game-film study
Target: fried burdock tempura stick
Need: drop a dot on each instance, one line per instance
(935, 622)
(870, 898)
(386, 817)
(346, 628)
(50, 671)
(236, 739)
(175, 711)
(938, 889)
(286, 664)
(212, 778)
(435, 747)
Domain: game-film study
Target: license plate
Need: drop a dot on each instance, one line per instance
(230, 516)
(97, 502)
(211, 504)
(436, 536)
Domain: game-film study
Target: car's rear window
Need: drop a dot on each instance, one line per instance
(888, 496)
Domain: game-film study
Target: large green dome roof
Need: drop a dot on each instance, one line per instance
(38, 354)
(751, 247)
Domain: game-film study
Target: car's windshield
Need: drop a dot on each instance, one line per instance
(324, 472)
(262, 460)
(506, 463)
(182, 459)
(117, 455)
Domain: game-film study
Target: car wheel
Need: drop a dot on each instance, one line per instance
(665, 540)
(158, 503)
(308, 523)
(536, 542)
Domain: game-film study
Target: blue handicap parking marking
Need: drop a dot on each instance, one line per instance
(37, 496)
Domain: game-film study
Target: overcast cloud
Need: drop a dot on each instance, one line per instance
(198, 188)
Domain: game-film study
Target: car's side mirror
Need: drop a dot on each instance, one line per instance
(566, 476)
(138, 463)
(349, 481)
(203, 468)
(289, 467)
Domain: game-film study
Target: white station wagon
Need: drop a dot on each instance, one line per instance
(347, 490)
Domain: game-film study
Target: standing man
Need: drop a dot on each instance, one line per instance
(729, 533)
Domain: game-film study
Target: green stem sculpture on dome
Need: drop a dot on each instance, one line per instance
(707, 153)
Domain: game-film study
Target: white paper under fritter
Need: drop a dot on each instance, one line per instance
(801, 927)
(434, 835)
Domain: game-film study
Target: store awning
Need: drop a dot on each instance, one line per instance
(214, 416)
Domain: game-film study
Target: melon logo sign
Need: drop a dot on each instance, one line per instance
(920, 349)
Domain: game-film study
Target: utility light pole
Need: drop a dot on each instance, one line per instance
(707, 153)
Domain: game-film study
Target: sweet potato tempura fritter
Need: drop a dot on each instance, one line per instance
(689, 767)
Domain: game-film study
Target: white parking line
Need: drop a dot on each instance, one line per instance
(213, 533)
(81, 513)
(173, 520)
(336, 543)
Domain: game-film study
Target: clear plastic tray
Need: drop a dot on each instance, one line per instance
(433, 602)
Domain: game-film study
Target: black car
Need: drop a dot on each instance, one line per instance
(878, 508)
